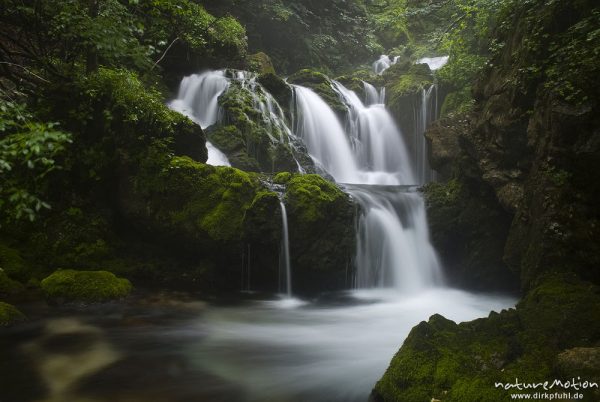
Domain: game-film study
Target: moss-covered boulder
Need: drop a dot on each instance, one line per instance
(10, 315)
(12, 262)
(250, 137)
(465, 222)
(462, 362)
(260, 63)
(321, 231)
(321, 85)
(355, 81)
(8, 286)
(277, 87)
(84, 286)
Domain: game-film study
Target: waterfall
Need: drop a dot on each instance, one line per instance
(383, 63)
(369, 155)
(372, 96)
(365, 152)
(434, 63)
(425, 112)
(285, 255)
(198, 99)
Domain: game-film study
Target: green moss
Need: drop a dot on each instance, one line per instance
(10, 315)
(84, 286)
(310, 196)
(9, 287)
(282, 177)
(12, 262)
(418, 77)
(451, 362)
(355, 80)
(277, 87)
(260, 63)
(457, 102)
(250, 139)
(321, 85)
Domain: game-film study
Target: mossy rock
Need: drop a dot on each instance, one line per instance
(9, 287)
(260, 63)
(310, 196)
(84, 286)
(416, 78)
(321, 85)
(12, 262)
(10, 315)
(250, 139)
(465, 223)
(321, 230)
(355, 81)
(462, 362)
(277, 87)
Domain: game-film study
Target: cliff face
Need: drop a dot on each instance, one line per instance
(529, 154)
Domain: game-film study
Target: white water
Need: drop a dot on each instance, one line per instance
(198, 99)
(393, 247)
(424, 114)
(434, 63)
(383, 63)
(322, 352)
(373, 96)
(285, 246)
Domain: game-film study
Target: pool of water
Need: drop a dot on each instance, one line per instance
(173, 347)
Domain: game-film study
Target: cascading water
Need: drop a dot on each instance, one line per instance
(285, 254)
(425, 112)
(372, 95)
(198, 99)
(393, 248)
(383, 63)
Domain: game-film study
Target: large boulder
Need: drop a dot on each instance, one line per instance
(321, 231)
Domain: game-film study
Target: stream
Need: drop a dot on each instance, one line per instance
(175, 347)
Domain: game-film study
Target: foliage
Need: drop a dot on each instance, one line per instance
(84, 286)
(9, 315)
(329, 36)
(28, 153)
(54, 40)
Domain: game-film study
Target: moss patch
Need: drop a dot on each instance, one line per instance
(10, 315)
(310, 196)
(321, 85)
(9, 287)
(84, 286)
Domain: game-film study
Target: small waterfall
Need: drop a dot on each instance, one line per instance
(393, 247)
(198, 99)
(383, 63)
(434, 63)
(425, 112)
(285, 255)
(322, 133)
(372, 96)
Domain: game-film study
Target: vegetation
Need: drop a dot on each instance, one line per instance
(10, 315)
(84, 286)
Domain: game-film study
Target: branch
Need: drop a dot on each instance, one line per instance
(26, 70)
(164, 53)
